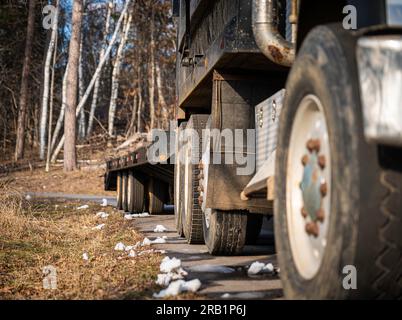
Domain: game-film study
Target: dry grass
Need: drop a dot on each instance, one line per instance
(37, 235)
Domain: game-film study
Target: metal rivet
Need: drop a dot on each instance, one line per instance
(312, 229)
(322, 162)
(324, 189)
(320, 215)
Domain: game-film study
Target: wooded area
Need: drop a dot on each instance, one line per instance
(74, 69)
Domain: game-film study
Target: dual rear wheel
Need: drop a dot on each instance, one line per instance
(224, 232)
(136, 195)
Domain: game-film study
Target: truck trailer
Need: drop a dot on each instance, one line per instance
(314, 89)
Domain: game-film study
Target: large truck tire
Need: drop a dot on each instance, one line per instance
(338, 213)
(124, 188)
(119, 191)
(178, 182)
(157, 193)
(135, 193)
(192, 213)
(225, 232)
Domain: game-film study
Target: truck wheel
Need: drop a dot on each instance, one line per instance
(178, 182)
(192, 217)
(157, 196)
(124, 196)
(135, 193)
(224, 231)
(254, 225)
(336, 217)
(119, 193)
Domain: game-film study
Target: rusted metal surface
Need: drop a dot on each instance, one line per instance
(267, 35)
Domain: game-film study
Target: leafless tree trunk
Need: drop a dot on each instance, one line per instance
(46, 78)
(70, 157)
(161, 99)
(49, 138)
(116, 73)
(151, 71)
(96, 74)
(60, 119)
(131, 128)
(81, 90)
(139, 109)
(97, 81)
(19, 148)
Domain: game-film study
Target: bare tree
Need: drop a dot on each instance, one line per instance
(151, 70)
(81, 88)
(97, 80)
(116, 73)
(96, 74)
(19, 148)
(46, 78)
(70, 157)
(49, 137)
(161, 99)
(60, 119)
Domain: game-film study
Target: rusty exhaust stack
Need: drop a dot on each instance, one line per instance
(267, 35)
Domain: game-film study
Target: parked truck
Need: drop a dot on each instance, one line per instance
(319, 83)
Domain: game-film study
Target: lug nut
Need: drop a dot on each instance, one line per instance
(324, 189)
(201, 176)
(200, 188)
(322, 162)
(320, 215)
(304, 212)
(313, 145)
(305, 160)
(312, 229)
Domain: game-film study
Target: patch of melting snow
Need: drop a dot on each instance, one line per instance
(208, 268)
(85, 256)
(171, 270)
(132, 254)
(85, 206)
(102, 215)
(259, 267)
(269, 267)
(179, 286)
(136, 215)
(148, 242)
(28, 197)
(169, 265)
(104, 203)
(120, 247)
(99, 227)
(160, 228)
(164, 279)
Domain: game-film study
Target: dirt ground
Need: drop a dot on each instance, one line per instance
(84, 181)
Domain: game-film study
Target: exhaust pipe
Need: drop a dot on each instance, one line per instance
(267, 35)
